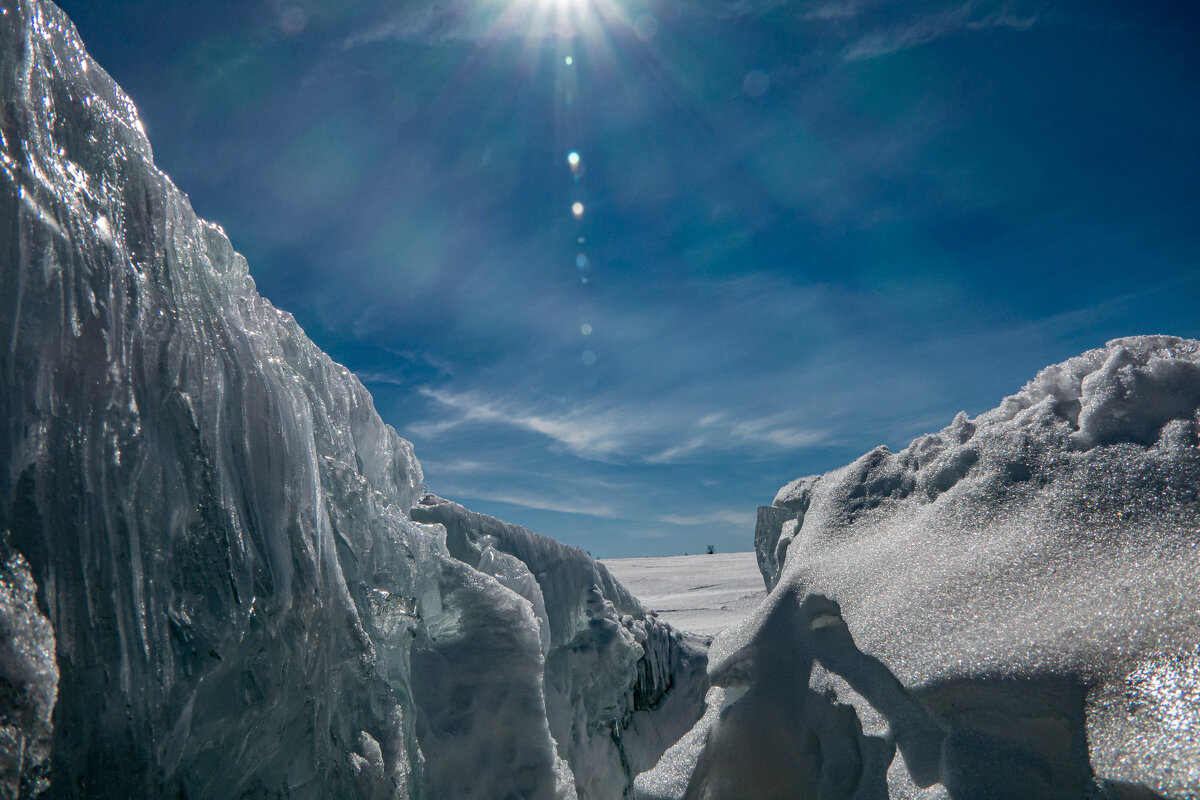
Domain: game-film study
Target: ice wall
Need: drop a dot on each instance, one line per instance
(207, 565)
(1012, 602)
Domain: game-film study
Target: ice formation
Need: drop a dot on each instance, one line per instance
(208, 570)
(28, 680)
(608, 705)
(1012, 603)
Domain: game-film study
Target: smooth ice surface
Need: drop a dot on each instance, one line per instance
(204, 524)
(1019, 593)
(702, 593)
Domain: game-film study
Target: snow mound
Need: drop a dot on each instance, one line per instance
(209, 543)
(1021, 589)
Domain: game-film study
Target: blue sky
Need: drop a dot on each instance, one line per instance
(808, 228)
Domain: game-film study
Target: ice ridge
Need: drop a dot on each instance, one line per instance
(210, 582)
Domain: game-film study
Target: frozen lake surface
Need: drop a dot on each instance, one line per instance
(701, 593)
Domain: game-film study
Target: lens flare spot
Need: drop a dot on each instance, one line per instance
(581, 261)
(577, 210)
(573, 159)
(568, 61)
(292, 20)
(645, 27)
(756, 83)
(585, 329)
(589, 357)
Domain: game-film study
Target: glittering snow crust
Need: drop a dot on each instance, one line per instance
(1012, 604)
(209, 572)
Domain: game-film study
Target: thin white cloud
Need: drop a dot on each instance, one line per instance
(750, 8)
(771, 431)
(672, 454)
(835, 11)
(587, 432)
(538, 502)
(933, 27)
(396, 378)
(430, 24)
(649, 435)
(431, 430)
(737, 517)
(462, 465)
(1004, 19)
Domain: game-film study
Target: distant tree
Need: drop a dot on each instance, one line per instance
(711, 549)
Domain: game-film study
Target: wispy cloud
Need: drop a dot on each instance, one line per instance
(430, 24)
(737, 517)
(930, 28)
(677, 452)
(404, 368)
(536, 501)
(650, 435)
(847, 9)
(772, 431)
(588, 432)
(459, 466)
(386, 378)
(748, 8)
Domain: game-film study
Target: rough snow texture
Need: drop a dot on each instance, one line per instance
(209, 523)
(1020, 591)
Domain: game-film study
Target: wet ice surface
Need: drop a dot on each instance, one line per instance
(700, 593)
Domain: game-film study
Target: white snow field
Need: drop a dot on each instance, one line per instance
(703, 594)
(211, 581)
(1008, 608)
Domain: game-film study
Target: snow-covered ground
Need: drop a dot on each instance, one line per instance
(701, 593)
